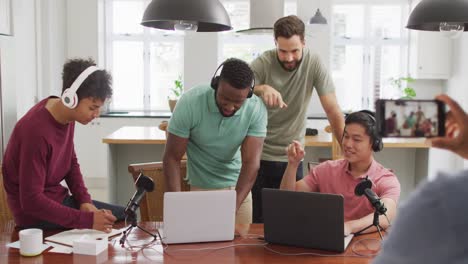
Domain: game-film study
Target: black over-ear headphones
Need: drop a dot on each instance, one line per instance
(215, 81)
(377, 144)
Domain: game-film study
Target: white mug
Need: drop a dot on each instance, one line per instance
(30, 242)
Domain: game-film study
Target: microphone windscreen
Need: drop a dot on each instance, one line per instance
(144, 182)
(362, 186)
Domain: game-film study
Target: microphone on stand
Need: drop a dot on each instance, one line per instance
(365, 188)
(143, 184)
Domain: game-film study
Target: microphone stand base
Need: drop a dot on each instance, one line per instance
(374, 223)
(129, 229)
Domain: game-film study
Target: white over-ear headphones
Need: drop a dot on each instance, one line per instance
(69, 96)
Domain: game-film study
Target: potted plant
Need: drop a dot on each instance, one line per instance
(176, 93)
(402, 84)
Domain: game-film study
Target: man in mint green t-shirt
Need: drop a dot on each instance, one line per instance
(222, 128)
(286, 77)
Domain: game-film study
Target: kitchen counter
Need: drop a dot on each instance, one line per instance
(407, 157)
(153, 135)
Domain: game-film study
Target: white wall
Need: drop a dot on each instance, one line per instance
(200, 58)
(18, 65)
(51, 39)
(317, 39)
(457, 86)
(427, 89)
(82, 29)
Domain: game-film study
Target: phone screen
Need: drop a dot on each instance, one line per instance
(410, 118)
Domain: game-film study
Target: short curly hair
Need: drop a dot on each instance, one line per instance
(237, 73)
(98, 85)
(289, 26)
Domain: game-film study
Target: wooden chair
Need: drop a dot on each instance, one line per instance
(5, 213)
(336, 146)
(151, 206)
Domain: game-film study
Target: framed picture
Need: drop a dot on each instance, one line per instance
(5, 17)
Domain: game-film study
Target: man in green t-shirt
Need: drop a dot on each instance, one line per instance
(222, 128)
(286, 77)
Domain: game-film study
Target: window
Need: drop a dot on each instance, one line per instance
(246, 46)
(144, 62)
(369, 46)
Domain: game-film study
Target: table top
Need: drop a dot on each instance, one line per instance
(153, 135)
(247, 247)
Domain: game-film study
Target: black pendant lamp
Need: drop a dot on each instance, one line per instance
(187, 15)
(318, 18)
(440, 15)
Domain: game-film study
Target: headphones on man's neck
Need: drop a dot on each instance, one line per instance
(69, 96)
(377, 144)
(215, 81)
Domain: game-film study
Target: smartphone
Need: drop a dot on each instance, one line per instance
(410, 118)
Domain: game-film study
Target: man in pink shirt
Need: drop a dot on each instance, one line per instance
(359, 140)
(41, 154)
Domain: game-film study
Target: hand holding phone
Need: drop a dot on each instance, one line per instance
(410, 118)
(456, 138)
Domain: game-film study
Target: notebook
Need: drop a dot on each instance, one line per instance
(201, 216)
(304, 219)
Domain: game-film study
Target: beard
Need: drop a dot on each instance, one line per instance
(284, 64)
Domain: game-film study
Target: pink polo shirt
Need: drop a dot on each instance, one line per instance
(334, 177)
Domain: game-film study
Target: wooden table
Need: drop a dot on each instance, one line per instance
(254, 252)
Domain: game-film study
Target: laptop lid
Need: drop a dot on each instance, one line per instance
(199, 216)
(304, 219)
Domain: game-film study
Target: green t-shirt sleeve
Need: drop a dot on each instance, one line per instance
(323, 82)
(181, 120)
(258, 69)
(258, 126)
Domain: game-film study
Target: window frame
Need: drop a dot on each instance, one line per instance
(146, 37)
(370, 43)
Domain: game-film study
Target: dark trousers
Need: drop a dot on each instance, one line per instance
(269, 176)
(69, 201)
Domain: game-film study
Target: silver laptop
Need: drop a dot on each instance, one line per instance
(304, 219)
(202, 216)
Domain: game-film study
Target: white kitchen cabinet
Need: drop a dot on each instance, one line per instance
(430, 54)
(93, 154)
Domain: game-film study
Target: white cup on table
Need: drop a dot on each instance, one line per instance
(30, 242)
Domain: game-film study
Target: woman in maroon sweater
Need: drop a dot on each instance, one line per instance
(41, 154)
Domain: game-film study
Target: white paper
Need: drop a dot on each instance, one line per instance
(17, 245)
(67, 237)
(59, 248)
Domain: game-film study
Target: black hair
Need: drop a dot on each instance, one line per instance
(98, 85)
(366, 119)
(237, 73)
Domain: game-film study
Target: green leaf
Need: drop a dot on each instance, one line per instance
(409, 92)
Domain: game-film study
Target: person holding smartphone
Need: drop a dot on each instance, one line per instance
(431, 226)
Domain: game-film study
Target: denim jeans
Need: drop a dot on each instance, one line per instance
(269, 176)
(69, 201)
